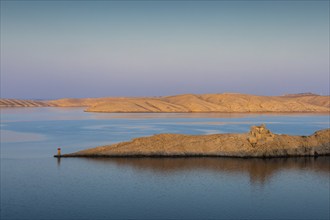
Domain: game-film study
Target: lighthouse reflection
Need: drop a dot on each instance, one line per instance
(58, 161)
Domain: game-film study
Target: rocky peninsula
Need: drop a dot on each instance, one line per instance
(259, 142)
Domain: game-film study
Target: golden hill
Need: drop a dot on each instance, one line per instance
(226, 102)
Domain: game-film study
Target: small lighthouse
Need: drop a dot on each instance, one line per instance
(59, 152)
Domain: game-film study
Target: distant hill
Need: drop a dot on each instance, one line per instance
(22, 103)
(302, 94)
(225, 102)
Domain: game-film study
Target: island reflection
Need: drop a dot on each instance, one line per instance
(259, 170)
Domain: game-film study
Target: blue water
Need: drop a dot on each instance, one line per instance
(34, 185)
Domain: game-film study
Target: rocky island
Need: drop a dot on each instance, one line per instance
(259, 142)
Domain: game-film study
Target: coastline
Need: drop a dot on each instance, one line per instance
(189, 156)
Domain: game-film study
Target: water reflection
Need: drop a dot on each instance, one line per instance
(259, 170)
(58, 162)
(78, 113)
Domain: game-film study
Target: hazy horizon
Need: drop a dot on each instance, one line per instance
(153, 96)
(79, 49)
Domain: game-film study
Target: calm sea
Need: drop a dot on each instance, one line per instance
(34, 185)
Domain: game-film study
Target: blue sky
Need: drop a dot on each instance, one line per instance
(55, 49)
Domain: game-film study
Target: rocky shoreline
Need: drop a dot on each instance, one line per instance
(259, 142)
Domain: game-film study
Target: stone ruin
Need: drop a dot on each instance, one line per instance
(260, 134)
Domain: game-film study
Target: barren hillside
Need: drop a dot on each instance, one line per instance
(226, 102)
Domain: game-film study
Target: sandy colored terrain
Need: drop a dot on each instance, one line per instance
(226, 102)
(259, 142)
(22, 103)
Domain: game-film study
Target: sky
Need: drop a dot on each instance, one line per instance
(57, 49)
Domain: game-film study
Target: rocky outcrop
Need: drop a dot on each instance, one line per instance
(260, 134)
(259, 142)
